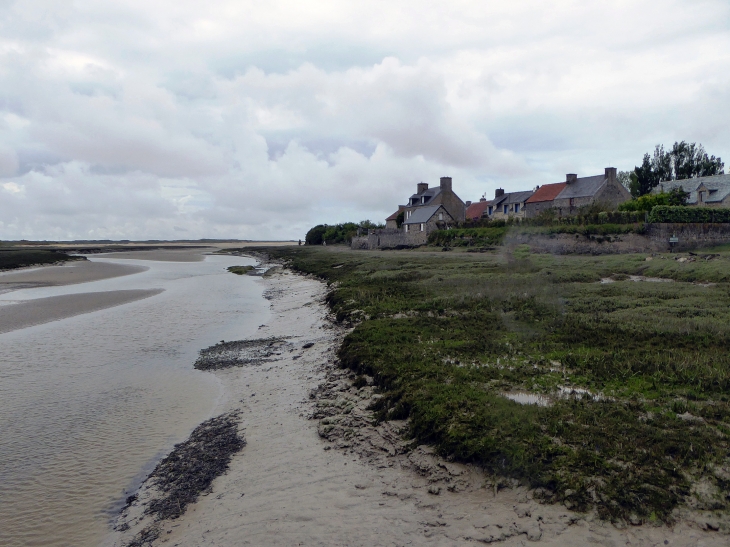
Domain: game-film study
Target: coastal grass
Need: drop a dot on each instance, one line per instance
(637, 372)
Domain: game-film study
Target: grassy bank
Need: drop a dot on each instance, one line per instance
(11, 259)
(445, 335)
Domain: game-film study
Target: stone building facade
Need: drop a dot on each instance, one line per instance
(576, 193)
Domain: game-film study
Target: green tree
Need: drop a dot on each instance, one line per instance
(400, 219)
(683, 161)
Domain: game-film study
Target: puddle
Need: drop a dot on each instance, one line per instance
(606, 280)
(526, 398)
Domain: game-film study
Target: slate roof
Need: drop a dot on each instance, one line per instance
(547, 192)
(423, 214)
(512, 197)
(718, 185)
(585, 187)
(430, 193)
(476, 209)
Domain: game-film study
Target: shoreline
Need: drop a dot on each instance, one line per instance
(304, 421)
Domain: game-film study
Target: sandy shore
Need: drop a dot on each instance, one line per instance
(315, 471)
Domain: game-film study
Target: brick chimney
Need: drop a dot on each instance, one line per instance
(421, 187)
(611, 173)
(482, 198)
(571, 177)
(498, 192)
(445, 183)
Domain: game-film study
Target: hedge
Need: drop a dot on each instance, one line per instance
(665, 213)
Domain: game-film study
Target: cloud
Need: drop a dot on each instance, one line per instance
(131, 119)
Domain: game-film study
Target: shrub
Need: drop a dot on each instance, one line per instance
(665, 213)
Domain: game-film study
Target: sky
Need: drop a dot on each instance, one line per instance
(259, 119)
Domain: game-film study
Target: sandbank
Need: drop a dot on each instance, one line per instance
(162, 255)
(27, 313)
(82, 271)
(316, 471)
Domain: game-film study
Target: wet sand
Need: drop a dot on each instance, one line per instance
(162, 255)
(27, 313)
(299, 482)
(82, 271)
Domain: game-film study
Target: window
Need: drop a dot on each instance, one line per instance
(423, 200)
(406, 227)
(421, 226)
(441, 216)
(505, 209)
(517, 207)
(572, 202)
(489, 210)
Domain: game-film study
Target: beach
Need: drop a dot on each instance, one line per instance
(316, 471)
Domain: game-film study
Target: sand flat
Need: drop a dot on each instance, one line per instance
(82, 271)
(44, 310)
(163, 255)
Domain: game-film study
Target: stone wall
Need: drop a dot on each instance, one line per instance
(655, 240)
(691, 236)
(389, 239)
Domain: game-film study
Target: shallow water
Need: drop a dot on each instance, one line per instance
(88, 404)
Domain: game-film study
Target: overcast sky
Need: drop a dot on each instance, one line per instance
(176, 119)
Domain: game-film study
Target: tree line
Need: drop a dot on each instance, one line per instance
(682, 161)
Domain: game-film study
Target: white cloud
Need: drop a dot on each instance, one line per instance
(131, 119)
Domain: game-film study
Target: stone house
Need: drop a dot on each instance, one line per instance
(703, 191)
(507, 205)
(443, 194)
(427, 219)
(580, 192)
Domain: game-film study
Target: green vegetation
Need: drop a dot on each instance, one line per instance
(683, 161)
(13, 258)
(445, 335)
(677, 197)
(664, 213)
(338, 233)
(467, 237)
(240, 270)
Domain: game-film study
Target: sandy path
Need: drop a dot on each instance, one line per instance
(289, 486)
(27, 313)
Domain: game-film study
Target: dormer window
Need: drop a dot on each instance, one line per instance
(506, 209)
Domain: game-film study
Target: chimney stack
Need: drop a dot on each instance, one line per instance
(468, 203)
(421, 187)
(611, 173)
(498, 192)
(482, 198)
(445, 183)
(571, 177)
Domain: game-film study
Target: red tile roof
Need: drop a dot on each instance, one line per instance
(547, 192)
(476, 209)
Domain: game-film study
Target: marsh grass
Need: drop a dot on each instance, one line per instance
(444, 334)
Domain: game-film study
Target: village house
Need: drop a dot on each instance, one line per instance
(703, 191)
(576, 193)
(443, 194)
(427, 210)
(507, 205)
